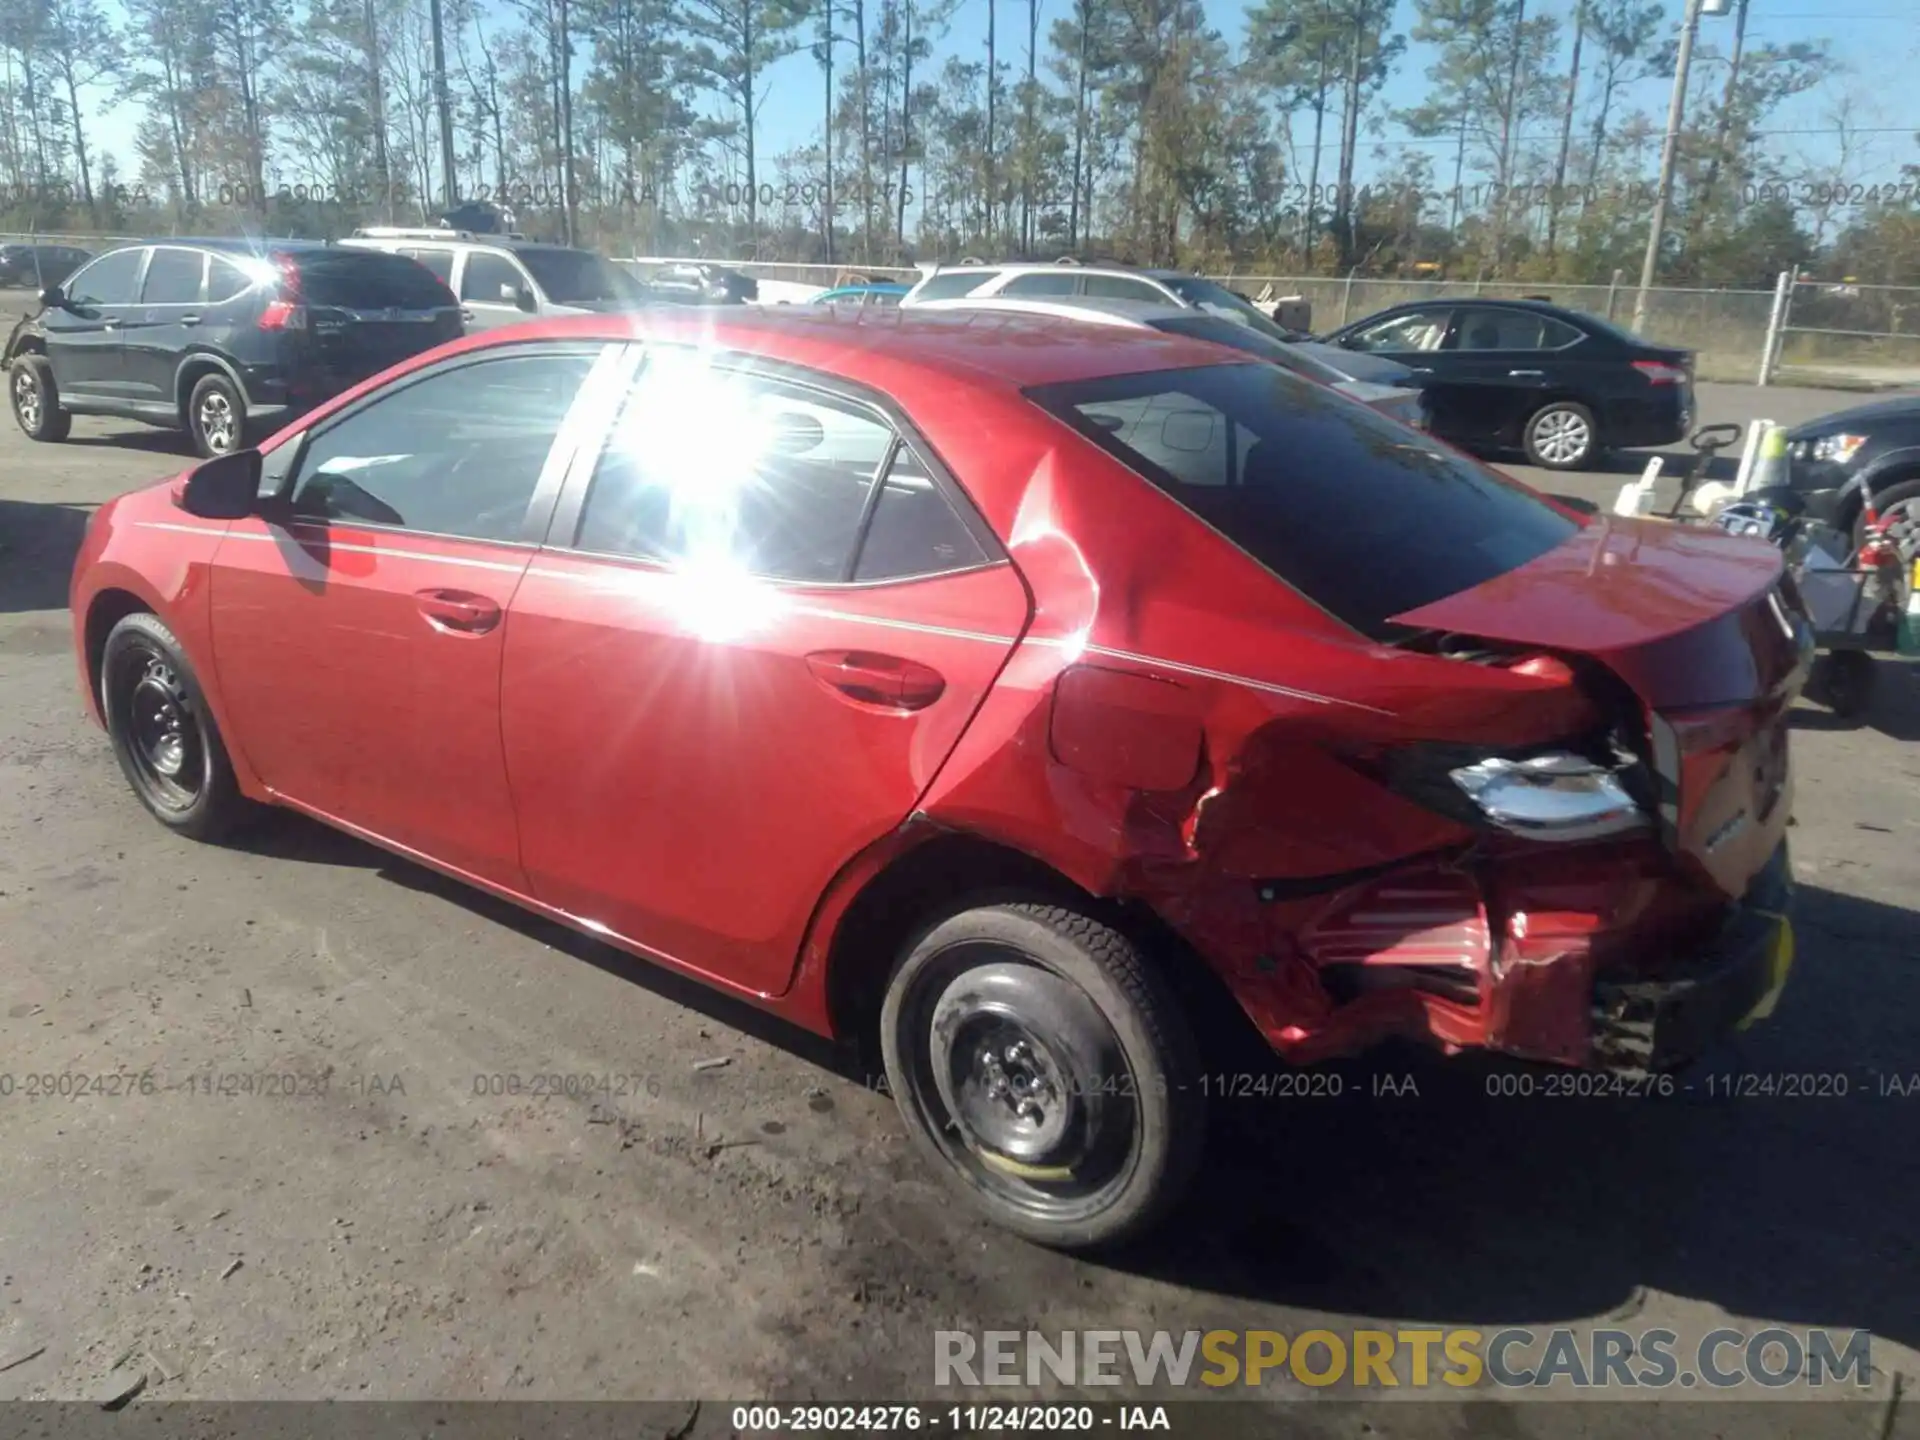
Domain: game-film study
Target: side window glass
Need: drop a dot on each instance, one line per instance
(712, 470)
(108, 281)
(173, 277)
(490, 279)
(1555, 334)
(1419, 330)
(225, 280)
(440, 262)
(1037, 284)
(1118, 287)
(458, 453)
(914, 530)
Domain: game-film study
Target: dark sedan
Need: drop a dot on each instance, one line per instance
(1521, 374)
(1880, 441)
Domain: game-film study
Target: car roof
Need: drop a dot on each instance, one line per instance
(1095, 308)
(877, 347)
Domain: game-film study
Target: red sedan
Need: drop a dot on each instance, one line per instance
(986, 689)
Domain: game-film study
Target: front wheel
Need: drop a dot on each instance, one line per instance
(1047, 1071)
(163, 732)
(36, 400)
(1561, 436)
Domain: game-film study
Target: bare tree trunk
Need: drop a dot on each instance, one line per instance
(1074, 213)
(79, 137)
(993, 84)
(1566, 128)
(866, 131)
(377, 102)
(906, 119)
(1308, 237)
(1508, 118)
(1028, 239)
(826, 59)
(447, 178)
(746, 111)
(563, 67)
(1349, 142)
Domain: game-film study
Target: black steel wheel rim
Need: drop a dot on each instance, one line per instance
(1020, 1081)
(161, 733)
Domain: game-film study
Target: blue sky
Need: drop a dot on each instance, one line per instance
(1876, 41)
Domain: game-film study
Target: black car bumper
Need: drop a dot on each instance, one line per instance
(1646, 1026)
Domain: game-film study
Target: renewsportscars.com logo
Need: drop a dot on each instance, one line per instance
(1444, 1361)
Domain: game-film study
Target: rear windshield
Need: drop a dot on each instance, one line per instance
(1216, 299)
(952, 284)
(368, 280)
(1223, 331)
(1362, 516)
(580, 277)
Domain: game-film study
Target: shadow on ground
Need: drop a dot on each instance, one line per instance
(37, 546)
(1443, 1192)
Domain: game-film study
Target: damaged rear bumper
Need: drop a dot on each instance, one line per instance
(1643, 1026)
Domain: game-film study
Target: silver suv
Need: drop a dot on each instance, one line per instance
(1070, 280)
(501, 279)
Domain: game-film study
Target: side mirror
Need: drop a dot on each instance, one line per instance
(54, 297)
(227, 487)
(521, 296)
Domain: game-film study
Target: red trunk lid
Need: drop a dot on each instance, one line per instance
(1694, 622)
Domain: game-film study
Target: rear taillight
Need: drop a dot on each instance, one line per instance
(1659, 372)
(286, 312)
(283, 315)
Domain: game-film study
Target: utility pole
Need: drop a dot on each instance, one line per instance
(1670, 150)
(440, 101)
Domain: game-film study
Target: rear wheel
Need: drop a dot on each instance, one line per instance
(36, 399)
(1560, 435)
(163, 732)
(1047, 1071)
(1844, 682)
(216, 416)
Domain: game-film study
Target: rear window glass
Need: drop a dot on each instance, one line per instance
(1362, 516)
(952, 284)
(368, 280)
(1223, 331)
(579, 277)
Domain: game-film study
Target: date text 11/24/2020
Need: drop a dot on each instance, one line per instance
(767, 195)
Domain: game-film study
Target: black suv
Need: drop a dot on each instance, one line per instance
(40, 265)
(225, 339)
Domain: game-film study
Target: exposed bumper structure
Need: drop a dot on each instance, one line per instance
(1644, 1026)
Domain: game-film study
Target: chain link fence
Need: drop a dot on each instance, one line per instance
(1847, 333)
(1804, 331)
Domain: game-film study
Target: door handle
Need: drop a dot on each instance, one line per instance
(466, 315)
(109, 324)
(458, 610)
(189, 319)
(886, 682)
(1421, 369)
(1525, 374)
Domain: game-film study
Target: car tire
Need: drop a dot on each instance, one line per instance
(36, 399)
(1561, 435)
(216, 416)
(1903, 493)
(1043, 1066)
(163, 732)
(1844, 681)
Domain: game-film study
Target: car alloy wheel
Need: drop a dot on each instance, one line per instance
(26, 398)
(163, 733)
(219, 427)
(1561, 437)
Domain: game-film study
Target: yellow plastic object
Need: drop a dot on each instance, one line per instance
(1781, 962)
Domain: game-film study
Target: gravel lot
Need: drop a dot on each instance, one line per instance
(760, 1228)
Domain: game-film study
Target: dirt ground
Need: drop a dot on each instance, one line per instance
(403, 1227)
